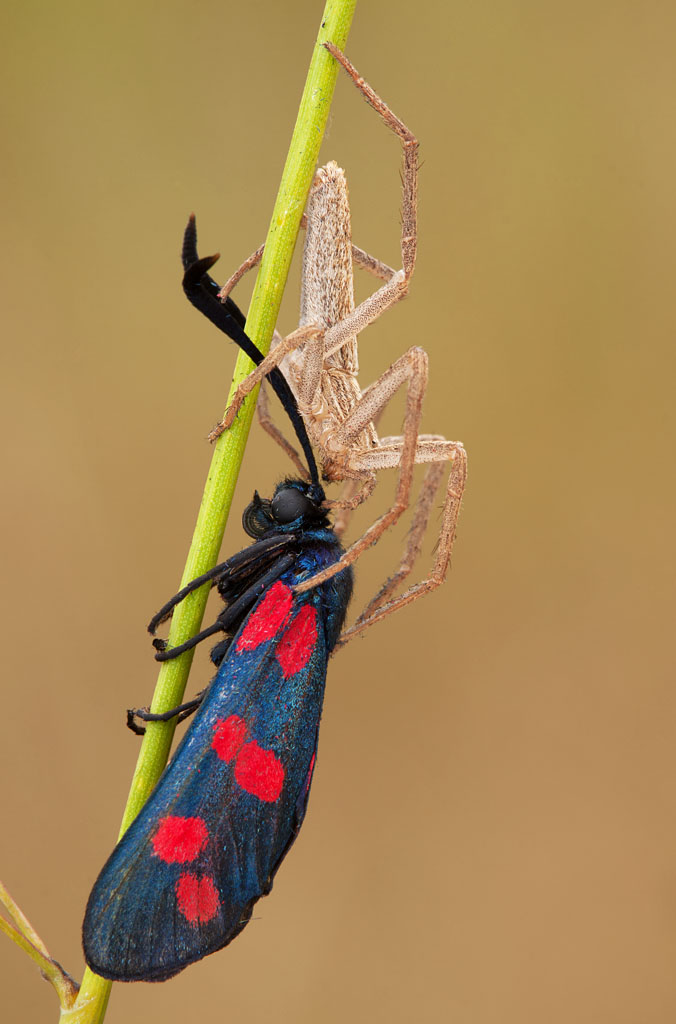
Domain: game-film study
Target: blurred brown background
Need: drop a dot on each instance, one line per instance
(491, 835)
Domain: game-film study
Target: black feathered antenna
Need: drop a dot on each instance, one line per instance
(202, 291)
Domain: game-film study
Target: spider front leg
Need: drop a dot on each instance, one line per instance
(292, 341)
(397, 285)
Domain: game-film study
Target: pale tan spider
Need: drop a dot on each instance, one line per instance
(320, 363)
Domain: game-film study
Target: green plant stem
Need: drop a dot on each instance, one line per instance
(229, 449)
(27, 939)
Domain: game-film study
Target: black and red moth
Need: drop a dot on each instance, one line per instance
(184, 878)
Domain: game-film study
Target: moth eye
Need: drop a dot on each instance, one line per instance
(290, 504)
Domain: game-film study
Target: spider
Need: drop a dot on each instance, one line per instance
(319, 361)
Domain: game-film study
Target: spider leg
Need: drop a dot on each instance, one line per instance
(409, 369)
(270, 427)
(376, 610)
(416, 534)
(397, 285)
(249, 263)
(351, 497)
(362, 258)
(374, 266)
(265, 367)
(343, 507)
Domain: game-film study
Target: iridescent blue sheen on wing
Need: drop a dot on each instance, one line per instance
(183, 880)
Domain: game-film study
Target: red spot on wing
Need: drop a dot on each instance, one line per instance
(229, 735)
(267, 618)
(296, 646)
(179, 840)
(197, 898)
(259, 772)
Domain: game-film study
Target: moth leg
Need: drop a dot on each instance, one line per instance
(271, 361)
(181, 712)
(233, 612)
(377, 610)
(270, 427)
(216, 575)
(164, 653)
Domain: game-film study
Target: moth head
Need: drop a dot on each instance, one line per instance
(296, 504)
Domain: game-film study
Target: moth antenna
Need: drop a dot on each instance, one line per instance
(202, 291)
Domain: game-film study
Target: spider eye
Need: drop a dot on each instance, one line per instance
(289, 504)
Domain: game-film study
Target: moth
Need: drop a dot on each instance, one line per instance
(184, 878)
